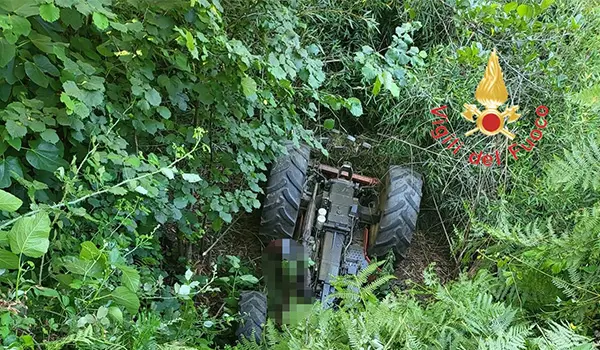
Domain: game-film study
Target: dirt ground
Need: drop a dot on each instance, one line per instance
(241, 239)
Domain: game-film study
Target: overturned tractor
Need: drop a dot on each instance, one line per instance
(325, 222)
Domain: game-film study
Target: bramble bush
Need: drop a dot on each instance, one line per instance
(121, 118)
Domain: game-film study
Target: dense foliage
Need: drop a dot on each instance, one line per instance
(133, 131)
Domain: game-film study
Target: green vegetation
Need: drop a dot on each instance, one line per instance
(134, 132)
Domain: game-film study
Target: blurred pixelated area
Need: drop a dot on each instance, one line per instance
(285, 267)
(428, 246)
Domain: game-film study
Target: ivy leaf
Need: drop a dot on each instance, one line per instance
(45, 156)
(15, 129)
(36, 75)
(49, 12)
(8, 260)
(7, 52)
(130, 277)
(249, 88)
(191, 178)
(9, 202)
(329, 124)
(100, 20)
(153, 97)
(128, 299)
(29, 235)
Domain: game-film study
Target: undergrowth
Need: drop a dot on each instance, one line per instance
(134, 131)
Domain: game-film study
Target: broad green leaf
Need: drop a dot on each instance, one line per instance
(29, 235)
(124, 297)
(377, 86)
(100, 20)
(153, 97)
(168, 173)
(180, 202)
(15, 129)
(249, 278)
(14, 27)
(44, 43)
(70, 17)
(249, 88)
(8, 260)
(7, 52)
(130, 277)
(9, 202)
(49, 12)
(329, 124)
(525, 10)
(89, 251)
(3, 238)
(36, 75)
(394, 89)
(24, 8)
(14, 143)
(191, 178)
(46, 292)
(45, 65)
(225, 216)
(546, 3)
(49, 135)
(511, 6)
(141, 190)
(118, 191)
(102, 312)
(45, 156)
(66, 3)
(164, 112)
(87, 268)
(8, 166)
(355, 106)
(115, 314)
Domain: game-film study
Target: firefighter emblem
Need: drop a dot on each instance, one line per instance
(491, 93)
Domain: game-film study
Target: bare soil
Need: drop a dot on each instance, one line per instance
(241, 239)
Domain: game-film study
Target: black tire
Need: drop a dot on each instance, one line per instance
(399, 205)
(284, 193)
(253, 308)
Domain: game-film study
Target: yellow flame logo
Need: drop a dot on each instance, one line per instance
(491, 93)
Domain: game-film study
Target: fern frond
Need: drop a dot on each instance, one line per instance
(363, 276)
(562, 337)
(579, 168)
(372, 287)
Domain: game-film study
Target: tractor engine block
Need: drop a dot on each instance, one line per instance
(340, 255)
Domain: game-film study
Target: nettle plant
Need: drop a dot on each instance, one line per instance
(116, 119)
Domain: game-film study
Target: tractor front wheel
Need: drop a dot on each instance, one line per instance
(399, 208)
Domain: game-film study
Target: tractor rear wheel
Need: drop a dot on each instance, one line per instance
(253, 308)
(284, 193)
(399, 207)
